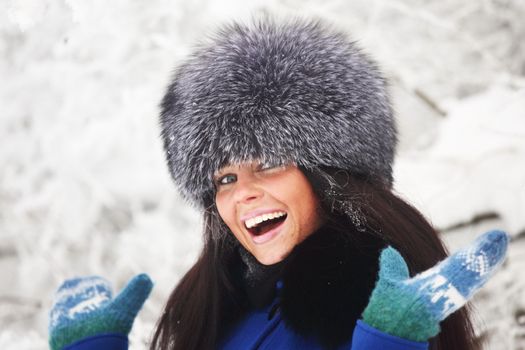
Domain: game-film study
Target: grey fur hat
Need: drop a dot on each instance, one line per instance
(289, 91)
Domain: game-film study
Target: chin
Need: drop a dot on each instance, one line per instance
(270, 259)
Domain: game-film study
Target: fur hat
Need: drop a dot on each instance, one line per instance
(293, 91)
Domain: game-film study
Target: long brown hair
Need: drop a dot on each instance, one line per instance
(209, 298)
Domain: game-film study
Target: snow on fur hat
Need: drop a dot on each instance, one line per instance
(279, 92)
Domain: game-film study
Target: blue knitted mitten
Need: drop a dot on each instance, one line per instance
(412, 308)
(84, 308)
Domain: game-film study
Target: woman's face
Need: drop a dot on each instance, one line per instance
(269, 210)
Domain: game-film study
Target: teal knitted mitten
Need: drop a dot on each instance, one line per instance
(412, 308)
(84, 308)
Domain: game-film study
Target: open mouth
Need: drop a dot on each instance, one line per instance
(267, 226)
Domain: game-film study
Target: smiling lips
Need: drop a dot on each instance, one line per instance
(264, 224)
(265, 233)
(255, 221)
(267, 230)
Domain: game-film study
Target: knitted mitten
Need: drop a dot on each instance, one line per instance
(84, 308)
(412, 308)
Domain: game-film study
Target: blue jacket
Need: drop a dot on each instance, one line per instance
(315, 303)
(318, 299)
(265, 330)
(258, 332)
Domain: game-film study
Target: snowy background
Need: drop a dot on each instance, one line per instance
(83, 184)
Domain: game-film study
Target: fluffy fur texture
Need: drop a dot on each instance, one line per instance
(293, 91)
(327, 283)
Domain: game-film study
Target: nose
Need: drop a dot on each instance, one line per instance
(247, 190)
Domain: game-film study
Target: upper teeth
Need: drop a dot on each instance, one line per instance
(258, 219)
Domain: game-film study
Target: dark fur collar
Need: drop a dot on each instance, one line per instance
(327, 281)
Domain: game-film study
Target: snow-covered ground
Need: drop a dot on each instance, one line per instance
(83, 184)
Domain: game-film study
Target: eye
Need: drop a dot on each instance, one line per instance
(221, 180)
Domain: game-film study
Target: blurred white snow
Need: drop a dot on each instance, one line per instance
(83, 184)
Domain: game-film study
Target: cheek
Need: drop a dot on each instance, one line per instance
(227, 215)
(308, 216)
(223, 210)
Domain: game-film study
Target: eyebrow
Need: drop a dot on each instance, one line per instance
(225, 169)
(221, 172)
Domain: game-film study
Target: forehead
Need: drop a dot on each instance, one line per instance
(236, 166)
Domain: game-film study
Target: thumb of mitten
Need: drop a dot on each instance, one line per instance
(130, 300)
(392, 266)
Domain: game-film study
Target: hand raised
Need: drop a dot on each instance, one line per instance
(84, 308)
(412, 308)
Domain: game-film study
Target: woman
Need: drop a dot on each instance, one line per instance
(283, 135)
